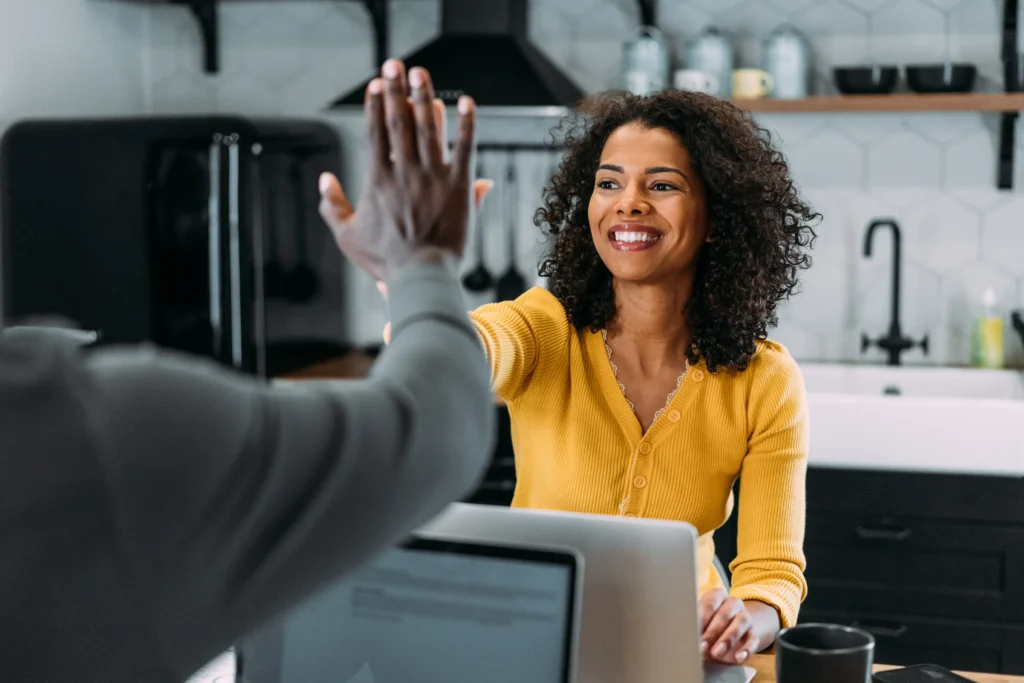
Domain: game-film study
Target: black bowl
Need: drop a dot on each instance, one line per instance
(935, 78)
(865, 80)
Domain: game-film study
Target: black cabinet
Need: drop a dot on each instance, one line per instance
(499, 482)
(957, 644)
(932, 564)
(915, 566)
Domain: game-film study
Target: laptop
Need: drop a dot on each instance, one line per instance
(432, 611)
(640, 614)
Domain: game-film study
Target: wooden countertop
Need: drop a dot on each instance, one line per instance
(765, 667)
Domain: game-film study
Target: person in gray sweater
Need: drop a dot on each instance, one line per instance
(155, 507)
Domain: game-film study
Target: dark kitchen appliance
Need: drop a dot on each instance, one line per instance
(483, 50)
(199, 234)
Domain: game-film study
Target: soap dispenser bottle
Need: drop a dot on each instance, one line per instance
(987, 351)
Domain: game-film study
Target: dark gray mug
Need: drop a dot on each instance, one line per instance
(815, 653)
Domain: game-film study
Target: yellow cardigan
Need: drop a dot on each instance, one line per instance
(579, 448)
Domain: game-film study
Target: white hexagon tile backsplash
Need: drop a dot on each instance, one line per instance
(933, 173)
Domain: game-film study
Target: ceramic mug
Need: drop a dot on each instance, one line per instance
(751, 84)
(811, 653)
(696, 81)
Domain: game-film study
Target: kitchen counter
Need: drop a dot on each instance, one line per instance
(765, 667)
(908, 433)
(917, 434)
(907, 380)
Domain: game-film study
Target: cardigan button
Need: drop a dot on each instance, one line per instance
(640, 482)
(645, 448)
(697, 375)
(673, 416)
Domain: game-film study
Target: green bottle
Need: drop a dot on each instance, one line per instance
(987, 342)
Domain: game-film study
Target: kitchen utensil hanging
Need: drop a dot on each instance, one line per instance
(512, 283)
(479, 279)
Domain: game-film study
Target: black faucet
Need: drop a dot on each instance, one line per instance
(893, 343)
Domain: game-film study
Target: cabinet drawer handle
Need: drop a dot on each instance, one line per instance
(869, 534)
(881, 631)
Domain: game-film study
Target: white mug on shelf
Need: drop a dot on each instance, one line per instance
(751, 84)
(696, 81)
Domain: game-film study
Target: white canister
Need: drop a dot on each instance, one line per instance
(696, 81)
(787, 57)
(645, 62)
(712, 54)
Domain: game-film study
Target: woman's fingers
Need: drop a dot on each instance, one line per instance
(750, 645)
(709, 604)
(376, 125)
(398, 114)
(735, 635)
(723, 617)
(427, 143)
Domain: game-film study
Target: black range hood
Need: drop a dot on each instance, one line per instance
(483, 51)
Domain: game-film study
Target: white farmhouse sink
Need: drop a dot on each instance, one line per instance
(969, 436)
(879, 380)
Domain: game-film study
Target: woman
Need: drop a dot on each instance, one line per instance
(642, 383)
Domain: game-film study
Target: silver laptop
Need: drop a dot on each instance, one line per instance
(640, 615)
(432, 611)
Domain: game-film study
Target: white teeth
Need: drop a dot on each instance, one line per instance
(634, 237)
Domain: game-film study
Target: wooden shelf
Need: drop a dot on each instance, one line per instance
(990, 102)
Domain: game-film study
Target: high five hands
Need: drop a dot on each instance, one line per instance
(414, 196)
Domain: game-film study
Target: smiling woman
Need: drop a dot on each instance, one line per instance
(643, 383)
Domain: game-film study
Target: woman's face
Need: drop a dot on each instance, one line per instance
(647, 214)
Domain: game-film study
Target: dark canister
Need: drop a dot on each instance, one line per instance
(816, 653)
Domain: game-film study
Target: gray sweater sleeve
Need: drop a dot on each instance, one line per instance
(234, 500)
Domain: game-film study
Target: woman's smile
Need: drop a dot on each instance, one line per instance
(634, 237)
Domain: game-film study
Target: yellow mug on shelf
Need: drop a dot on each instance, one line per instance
(751, 84)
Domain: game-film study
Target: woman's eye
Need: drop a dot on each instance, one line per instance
(663, 187)
(606, 184)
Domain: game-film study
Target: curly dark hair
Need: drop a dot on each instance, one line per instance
(760, 229)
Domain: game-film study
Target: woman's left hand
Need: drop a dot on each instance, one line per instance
(727, 629)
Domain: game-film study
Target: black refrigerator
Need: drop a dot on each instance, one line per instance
(196, 233)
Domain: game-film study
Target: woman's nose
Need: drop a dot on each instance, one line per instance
(633, 205)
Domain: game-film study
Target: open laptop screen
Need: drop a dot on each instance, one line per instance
(430, 611)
